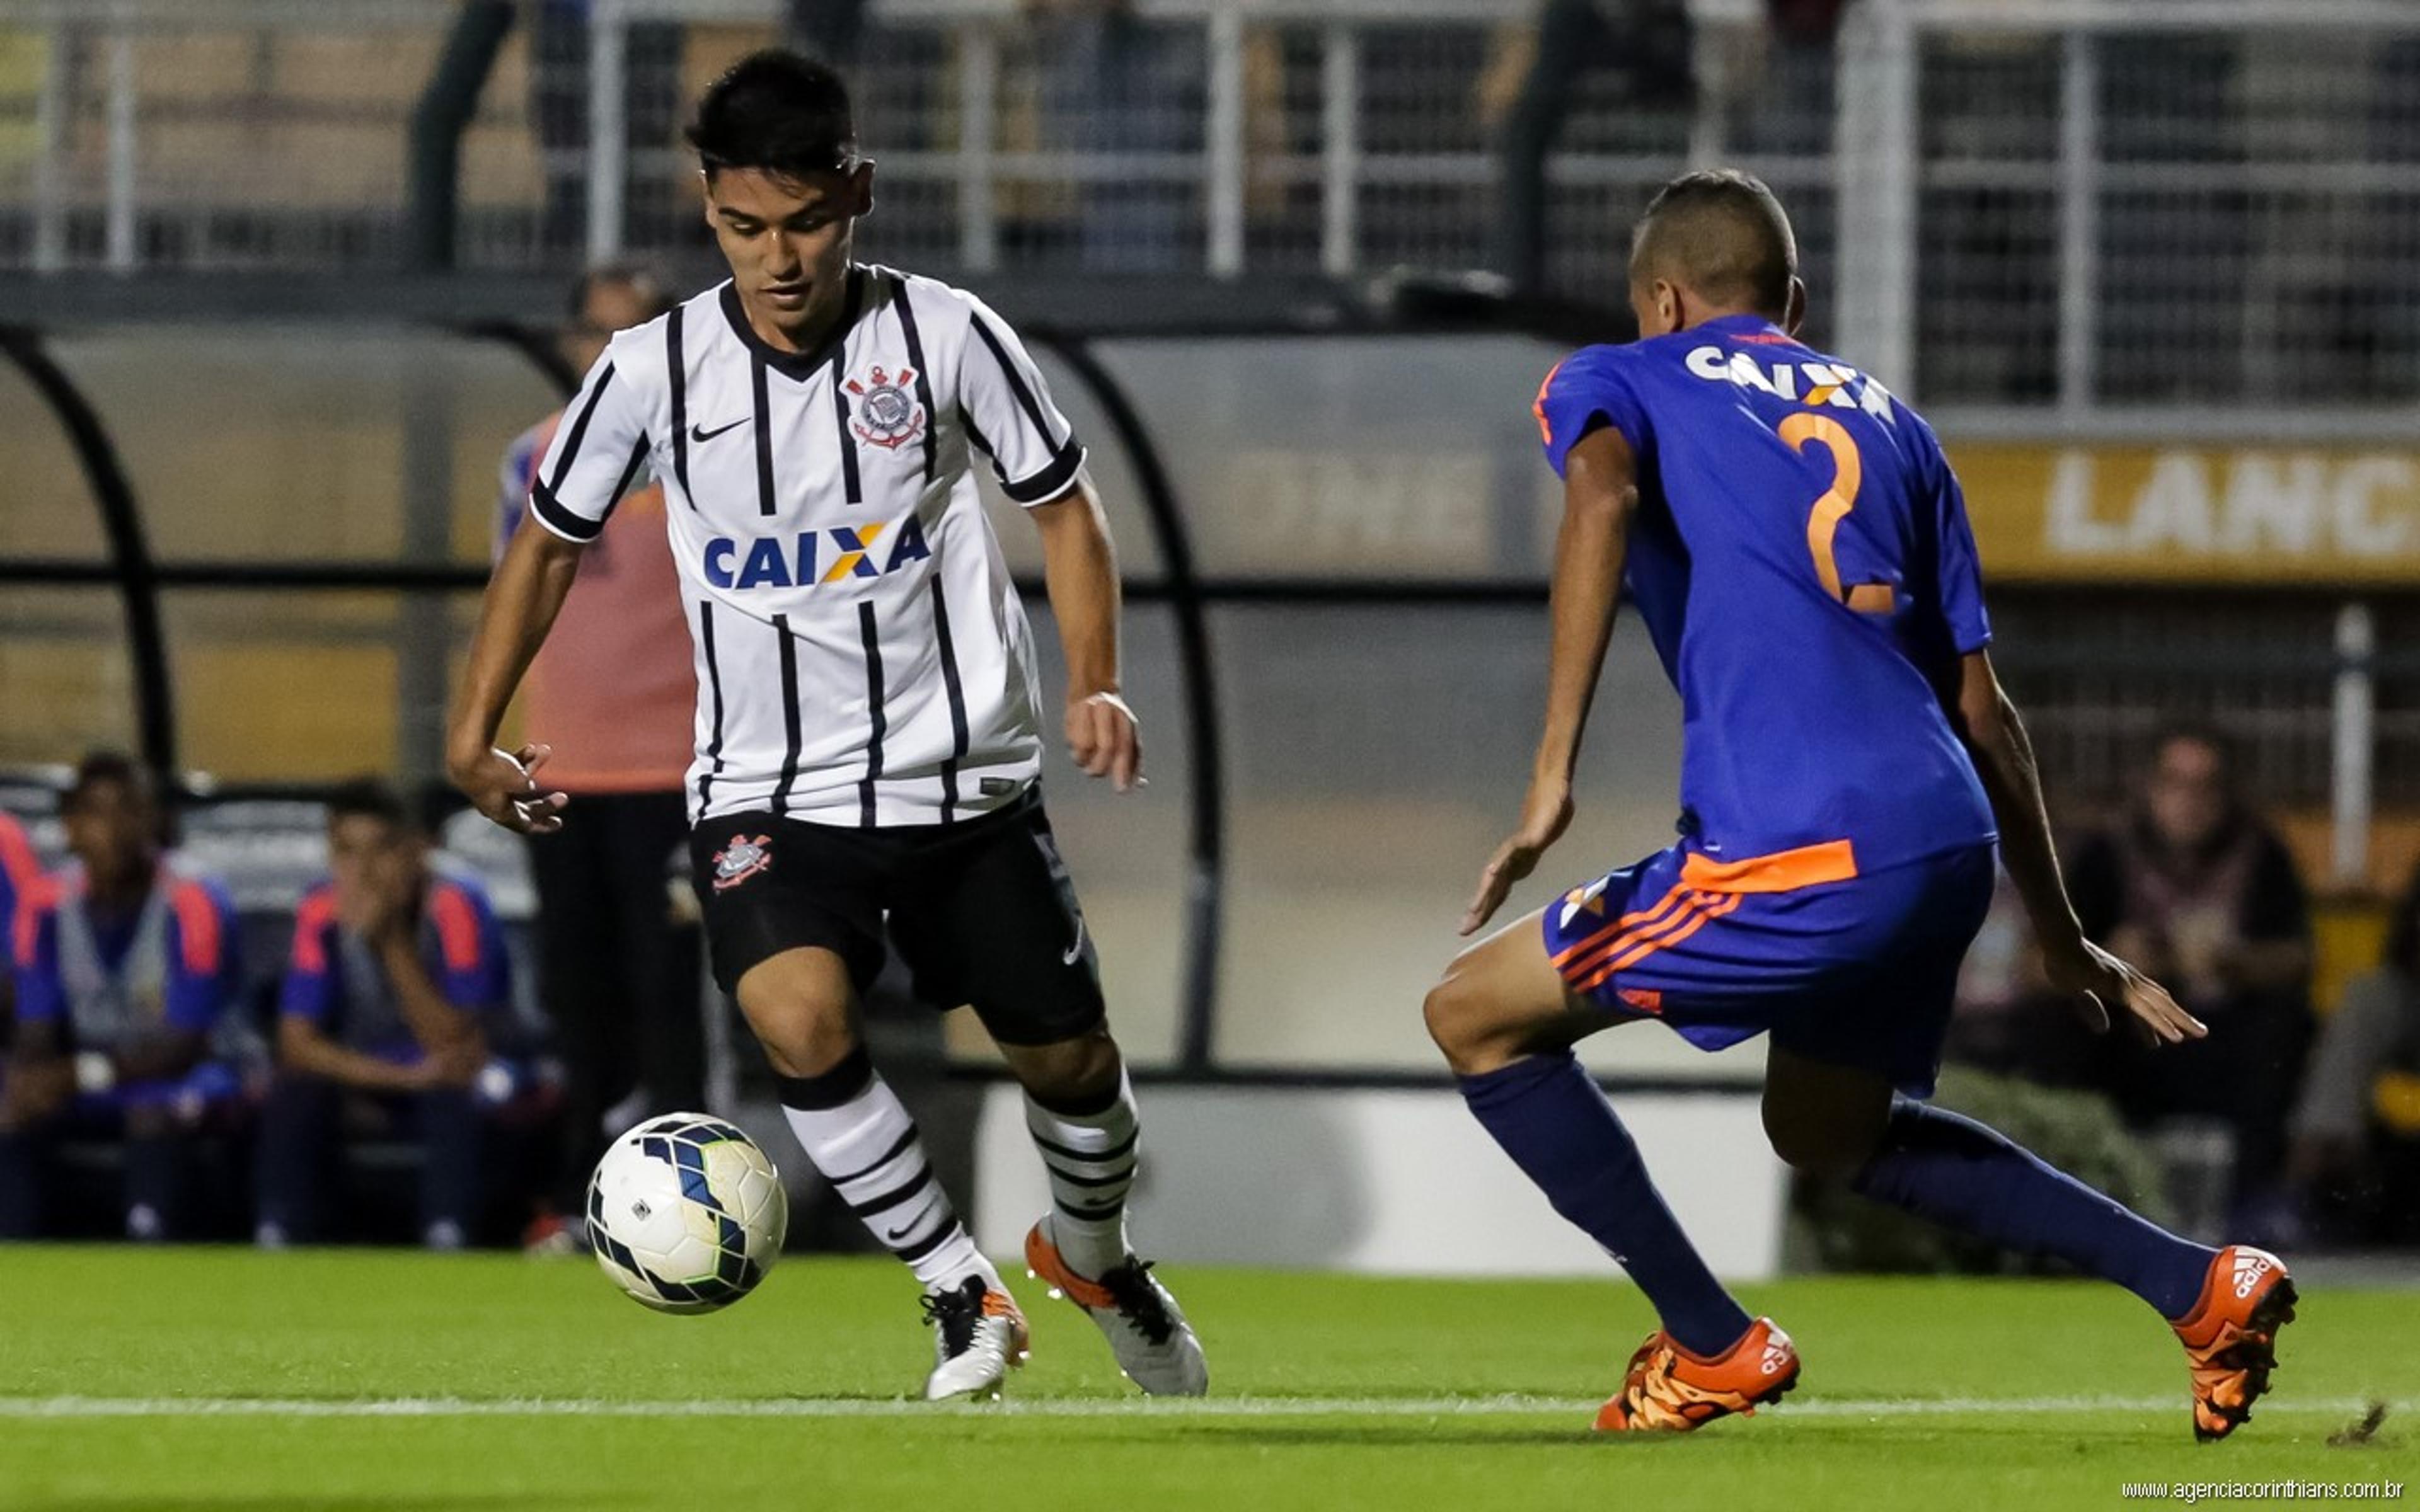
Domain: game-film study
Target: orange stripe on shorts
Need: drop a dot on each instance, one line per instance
(1705, 911)
(1628, 923)
(1691, 902)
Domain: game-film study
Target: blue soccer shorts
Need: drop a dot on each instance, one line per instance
(1848, 968)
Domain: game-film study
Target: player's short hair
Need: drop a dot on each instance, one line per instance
(638, 275)
(779, 112)
(370, 797)
(1722, 233)
(105, 766)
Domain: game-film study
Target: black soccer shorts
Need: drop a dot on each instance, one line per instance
(982, 911)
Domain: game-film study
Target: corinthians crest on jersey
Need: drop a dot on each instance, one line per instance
(888, 414)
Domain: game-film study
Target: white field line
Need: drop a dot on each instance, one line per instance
(52, 1408)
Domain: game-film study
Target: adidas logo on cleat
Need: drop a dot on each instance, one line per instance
(1777, 1353)
(2249, 1269)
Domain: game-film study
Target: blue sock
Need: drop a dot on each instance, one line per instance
(1964, 1175)
(1551, 1118)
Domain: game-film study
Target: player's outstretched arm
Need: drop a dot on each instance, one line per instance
(2100, 983)
(520, 606)
(1080, 566)
(1599, 495)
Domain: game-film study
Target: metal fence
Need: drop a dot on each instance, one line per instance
(142, 135)
(2070, 204)
(2083, 203)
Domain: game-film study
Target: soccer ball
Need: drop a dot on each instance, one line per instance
(686, 1215)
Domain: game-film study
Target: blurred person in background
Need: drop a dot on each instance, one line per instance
(618, 967)
(21, 876)
(1529, 85)
(2196, 889)
(1112, 82)
(125, 969)
(2354, 1160)
(396, 971)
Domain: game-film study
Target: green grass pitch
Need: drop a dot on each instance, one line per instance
(184, 1381)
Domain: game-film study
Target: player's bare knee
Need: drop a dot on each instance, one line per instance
(802, 1009)
(802, 1035)
(808, 1051)
(1462, 1023)
(1076, 1068)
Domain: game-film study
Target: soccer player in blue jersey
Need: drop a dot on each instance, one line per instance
(1799, 549)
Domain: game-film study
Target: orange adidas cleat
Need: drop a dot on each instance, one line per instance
(1669, 1390)
(2230, 1336)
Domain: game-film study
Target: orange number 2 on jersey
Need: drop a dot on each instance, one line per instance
(1848, 475)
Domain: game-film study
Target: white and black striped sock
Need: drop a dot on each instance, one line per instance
(854, 1129)
(1089, 1153)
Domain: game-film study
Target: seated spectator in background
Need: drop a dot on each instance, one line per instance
(2356, 1157)
(21, 874)
(2193, 888)
(124, 968)
(396, 967)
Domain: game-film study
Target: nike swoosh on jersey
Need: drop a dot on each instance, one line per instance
(700, 433)
(1078, 948)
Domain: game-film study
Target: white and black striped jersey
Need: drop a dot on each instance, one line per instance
(861, 655)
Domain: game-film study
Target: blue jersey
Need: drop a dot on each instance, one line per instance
(1803, 561)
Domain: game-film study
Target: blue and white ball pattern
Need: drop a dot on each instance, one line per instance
(686, 1213)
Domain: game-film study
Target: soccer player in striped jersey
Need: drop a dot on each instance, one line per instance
(1799, 550)
(869, 724)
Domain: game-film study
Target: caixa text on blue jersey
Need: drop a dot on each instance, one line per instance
(811, 558)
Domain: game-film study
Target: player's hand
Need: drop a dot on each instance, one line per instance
(1106, 740)
(2105, 988)
(450, 1066)
(1544, 818)
(503, 785)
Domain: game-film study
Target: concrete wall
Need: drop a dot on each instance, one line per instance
(1386, 1183)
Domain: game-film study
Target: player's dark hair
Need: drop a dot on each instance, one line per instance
(776, 111)
(641, 277)
(1721, 231)
(110, 766)
(370, 797)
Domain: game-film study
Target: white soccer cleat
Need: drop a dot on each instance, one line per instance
(979, 1337)
(1147, 1331)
